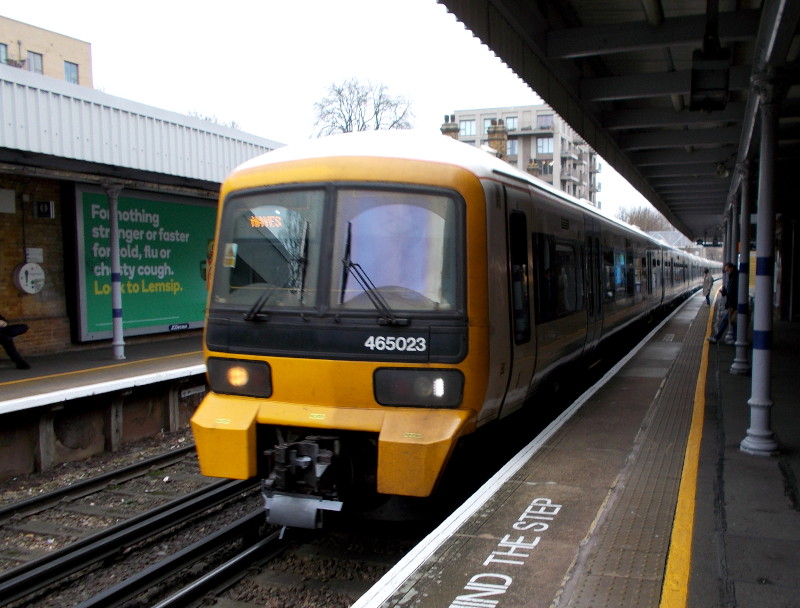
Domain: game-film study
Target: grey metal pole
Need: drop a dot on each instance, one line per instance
(730, 335)
(118, 341)
(734, 233)
(741, 361)
(792, 275)
(760, 439)
(725, 239)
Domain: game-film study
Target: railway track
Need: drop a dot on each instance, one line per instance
(93, 558)
(209, 547)
(62, 543)
(35, 527)
(243, 561)
(323, 569)
(94, 484)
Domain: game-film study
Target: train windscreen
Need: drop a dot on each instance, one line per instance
(401, 245)
(364, 248)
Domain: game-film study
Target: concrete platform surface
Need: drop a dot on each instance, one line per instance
(75, 374)
(638, 489)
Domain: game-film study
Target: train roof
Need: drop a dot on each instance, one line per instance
(400, 144)
(410, 145)
(423, 146)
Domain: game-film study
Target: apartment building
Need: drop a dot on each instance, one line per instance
(44, 52)
(534, 139)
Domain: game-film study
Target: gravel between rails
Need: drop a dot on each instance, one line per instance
(21, 487)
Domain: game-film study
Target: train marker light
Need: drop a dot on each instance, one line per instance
(239, 377)
(409, 387)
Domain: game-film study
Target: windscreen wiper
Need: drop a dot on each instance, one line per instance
(254, 314)
(375, 297)
(302, 261)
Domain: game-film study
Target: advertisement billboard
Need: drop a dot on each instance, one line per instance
(164, 243)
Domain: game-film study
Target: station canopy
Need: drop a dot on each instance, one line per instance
(667, 91)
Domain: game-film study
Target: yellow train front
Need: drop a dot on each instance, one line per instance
(347, 329)
(377, 296)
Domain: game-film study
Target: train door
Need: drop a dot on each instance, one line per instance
(594, 283)
(652, 277)
(656, 275)
(520, 268)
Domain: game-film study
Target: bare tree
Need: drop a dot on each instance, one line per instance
(355, 106)
(645, 217)
(213, 118)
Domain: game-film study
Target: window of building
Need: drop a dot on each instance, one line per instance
(545, 167)
(544, 145)
(511, 123)
(487, 122)
(3, 53)
(466, 128)
(71, 72)
(511, 147)
(544, 121)
(35, 62)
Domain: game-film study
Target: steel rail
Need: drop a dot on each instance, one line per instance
(225, 574)
(144, 580)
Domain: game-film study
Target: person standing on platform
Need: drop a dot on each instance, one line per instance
(730, 291)
(708, 281)
(7, 334)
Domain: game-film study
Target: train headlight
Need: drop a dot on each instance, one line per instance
(239, 377)
(419, 387)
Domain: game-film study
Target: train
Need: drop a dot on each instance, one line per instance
(375, 297)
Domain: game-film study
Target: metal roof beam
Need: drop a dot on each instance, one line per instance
(662, 84)
(688, 180)
(674, 156)
(621, 37)
(696, 197)
(706, 169)
(683, 188)
(660, 117)
(679, 138)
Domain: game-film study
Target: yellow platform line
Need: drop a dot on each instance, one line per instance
(94, 369)
(679, 560)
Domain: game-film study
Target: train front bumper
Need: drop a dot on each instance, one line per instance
(414, 444)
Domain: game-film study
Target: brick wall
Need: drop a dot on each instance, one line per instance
(45, 312)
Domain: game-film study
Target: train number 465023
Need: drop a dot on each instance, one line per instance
(399, 343)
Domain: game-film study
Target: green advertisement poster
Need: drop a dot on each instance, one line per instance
(163, 248)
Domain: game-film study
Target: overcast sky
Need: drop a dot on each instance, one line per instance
(263, 63)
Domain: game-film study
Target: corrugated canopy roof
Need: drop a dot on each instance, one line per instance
(666, 91)
(52, 124)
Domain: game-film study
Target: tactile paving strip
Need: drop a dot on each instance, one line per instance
(623, 561)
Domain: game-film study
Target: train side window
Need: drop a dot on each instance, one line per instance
(620, 278)
(568, 300)
(608, 275)
(630, 277)
(518, 251)
(559, 284)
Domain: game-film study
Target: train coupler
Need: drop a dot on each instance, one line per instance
(298, 490)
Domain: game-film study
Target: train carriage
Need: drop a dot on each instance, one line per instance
(377, 296)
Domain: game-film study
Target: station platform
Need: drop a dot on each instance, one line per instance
(81, 373)
(637, 495)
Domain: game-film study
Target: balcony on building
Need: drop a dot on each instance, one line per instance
(569, 152)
